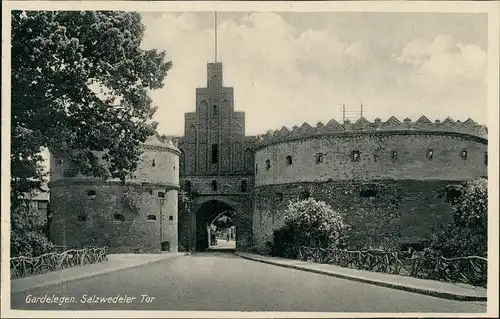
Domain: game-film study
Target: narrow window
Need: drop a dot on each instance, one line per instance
(153, 164)
(91, 194)
(170, 217)
(214, 185)
(355, 156)
(486, 158)
(82, 218)
(394, 156)
(319, 158)
(463, 154)
(244, 185)
(256, 167)
(268, 164)
(369, 192)
(119, 217)
(187, 186)
(430, 154)
(151, 217)
(288, 160)
(215, 153)
(375, 157)
(161, 194)
(214, 110)
(150, 191)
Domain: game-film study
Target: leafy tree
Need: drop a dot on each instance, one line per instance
(311, 223)
(80, 84)
(468, 235)
(225, 221)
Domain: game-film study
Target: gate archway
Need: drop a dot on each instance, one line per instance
(205, 216)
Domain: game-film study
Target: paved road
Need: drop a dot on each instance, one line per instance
(225, 282)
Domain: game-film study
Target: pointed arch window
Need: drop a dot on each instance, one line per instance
(268, 164)
(288, 160)
(214, 111)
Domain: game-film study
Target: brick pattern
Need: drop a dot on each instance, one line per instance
(401, 211)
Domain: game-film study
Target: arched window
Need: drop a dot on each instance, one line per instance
(91, 194)
(214, 110)
(463, 154)
(151, 217)
(319, 158)
(355, 156)
(244, 185)
(119, 217)
(191, 134)
(430, 154)
(288, 160)
(248, 158)
(214, 185)
(268, 164)
(170, 217)
(153, 163)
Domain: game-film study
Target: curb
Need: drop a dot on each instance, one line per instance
(82, 276)
(422, 291)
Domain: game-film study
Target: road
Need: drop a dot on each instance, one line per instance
(219, 281)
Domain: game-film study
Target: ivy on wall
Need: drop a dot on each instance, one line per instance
(132, 198)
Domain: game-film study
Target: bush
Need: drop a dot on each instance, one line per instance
(468, 235)
(308, 223)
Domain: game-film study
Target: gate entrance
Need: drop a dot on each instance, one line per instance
(215, 226)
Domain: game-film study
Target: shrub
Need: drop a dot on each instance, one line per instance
(468, 235)
(308, 223)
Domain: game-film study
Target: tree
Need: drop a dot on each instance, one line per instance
(468, 235)
(80, 84)
(310, 223)
(225, 220)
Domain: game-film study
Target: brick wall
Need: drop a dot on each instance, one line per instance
(411, 162)
(79, 220)
(400, 212)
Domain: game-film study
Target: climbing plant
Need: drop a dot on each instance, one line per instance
(132, 198)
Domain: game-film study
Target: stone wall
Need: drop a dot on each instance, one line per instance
(125, 218)
(397, 212)
(226, 184)
(376, 159)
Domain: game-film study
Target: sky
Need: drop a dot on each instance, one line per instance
(289, 68)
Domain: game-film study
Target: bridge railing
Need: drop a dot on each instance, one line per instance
(24, 266)
(471, 270)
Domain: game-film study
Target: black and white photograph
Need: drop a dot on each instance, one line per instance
(220, 159)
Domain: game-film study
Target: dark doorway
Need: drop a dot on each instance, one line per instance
(214, 218)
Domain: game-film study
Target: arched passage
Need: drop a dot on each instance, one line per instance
(206, 215)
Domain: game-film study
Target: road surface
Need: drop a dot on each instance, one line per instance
(220, 281)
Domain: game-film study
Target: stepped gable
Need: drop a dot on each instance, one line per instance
(392, 123)
(362, 124)
(306, 128)
(422, 122)
(333, 126)
(284, 132)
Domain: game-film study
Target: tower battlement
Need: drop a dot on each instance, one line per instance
(468, 127)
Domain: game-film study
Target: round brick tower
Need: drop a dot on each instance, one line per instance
(138, 216)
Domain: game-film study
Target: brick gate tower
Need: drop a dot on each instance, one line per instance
(216, 162)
